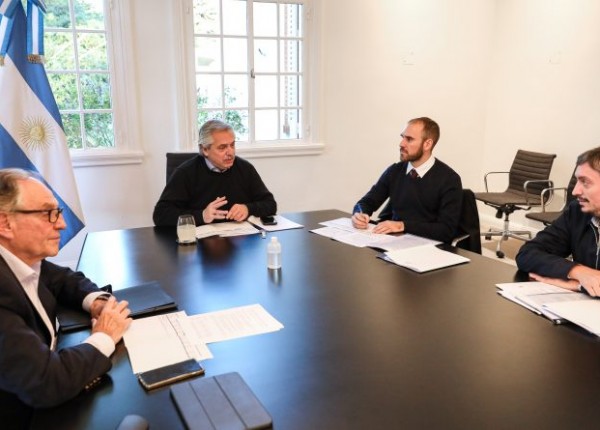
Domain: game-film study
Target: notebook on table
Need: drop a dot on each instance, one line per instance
(144, 299)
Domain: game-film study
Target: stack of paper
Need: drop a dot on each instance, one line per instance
(424, 258)
(545, 299)
(167, 339)
(225, 229)
(282, 223)
(341, 229)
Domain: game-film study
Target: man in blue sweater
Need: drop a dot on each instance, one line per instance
(425, 195)
(216, 185)
(573, 234)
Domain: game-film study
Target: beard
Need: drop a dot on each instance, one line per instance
(405, 156)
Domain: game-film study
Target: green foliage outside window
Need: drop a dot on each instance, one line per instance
(83, 93)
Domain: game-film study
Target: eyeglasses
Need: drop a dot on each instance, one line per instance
(53, 214)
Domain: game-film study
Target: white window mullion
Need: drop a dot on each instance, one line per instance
(251, 72)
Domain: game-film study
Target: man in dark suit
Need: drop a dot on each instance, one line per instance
(33, 373)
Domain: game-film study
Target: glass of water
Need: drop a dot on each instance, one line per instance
(186, 229)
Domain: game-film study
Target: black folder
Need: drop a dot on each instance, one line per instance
(220, 402)
(144, 299)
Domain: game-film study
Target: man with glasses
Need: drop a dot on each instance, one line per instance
(216, 185)
(33, 372)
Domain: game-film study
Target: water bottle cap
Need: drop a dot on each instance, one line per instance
(274, 239)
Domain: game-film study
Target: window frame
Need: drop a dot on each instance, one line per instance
(308, 145)
(124, 109)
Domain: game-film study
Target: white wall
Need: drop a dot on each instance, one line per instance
(481, 68)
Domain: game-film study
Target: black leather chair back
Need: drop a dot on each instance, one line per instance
(175, 159)
(530, 166)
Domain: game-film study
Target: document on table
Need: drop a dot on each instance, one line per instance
(161, 340)
(282, 223)
(341, 229)
(424, 258)
(233, 323)
(538, 296)
(225, 229)
(584, 313)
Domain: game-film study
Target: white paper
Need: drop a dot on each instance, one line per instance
(425, 258)
(233, 323)
(341, 229)
(584, 313)
(282, 223)
(161, 340)
(225, 229)
(536, 295)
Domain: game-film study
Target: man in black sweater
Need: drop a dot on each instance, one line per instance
(216, 185)
(425, 195)
(573, 234)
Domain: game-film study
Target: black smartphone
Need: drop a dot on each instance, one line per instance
(268, 220)
(169, 374)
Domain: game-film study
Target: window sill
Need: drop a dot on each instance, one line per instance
(270, 150)
(105, 157)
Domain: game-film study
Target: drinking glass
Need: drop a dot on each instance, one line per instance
(186, 229)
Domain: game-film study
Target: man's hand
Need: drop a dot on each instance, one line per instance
(360, 220)
(113, 320)
(386, 227)
(212, 212)
(569, 284)
(97, 306)
(238, 212)
(587, 277)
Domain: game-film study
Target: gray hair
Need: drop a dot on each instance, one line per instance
(205, 138)
(10, 192)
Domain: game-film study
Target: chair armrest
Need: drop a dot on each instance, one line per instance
(551, 191)
(485, 178)
(536, 181)
(459, 239)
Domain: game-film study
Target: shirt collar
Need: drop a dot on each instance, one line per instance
(21, 270)
(423, 168)
(212, 167)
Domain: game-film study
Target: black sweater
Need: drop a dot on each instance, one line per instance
(193, 186)
(429, 206)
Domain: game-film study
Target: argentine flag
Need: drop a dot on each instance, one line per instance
(31, 130)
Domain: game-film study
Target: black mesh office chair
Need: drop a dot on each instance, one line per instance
(547, 217)
(175, 159)
(528, 176)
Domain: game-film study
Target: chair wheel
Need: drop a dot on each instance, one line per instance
(488, 237)
(500, 254)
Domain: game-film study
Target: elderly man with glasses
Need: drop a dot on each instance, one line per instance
(33, 372)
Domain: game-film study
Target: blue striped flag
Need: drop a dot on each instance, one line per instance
(31, 131)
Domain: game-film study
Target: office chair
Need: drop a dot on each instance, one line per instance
(548, 217)
(175, 159)
(528, 176)
(469, 235)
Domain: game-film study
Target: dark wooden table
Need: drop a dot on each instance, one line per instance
(366, 344)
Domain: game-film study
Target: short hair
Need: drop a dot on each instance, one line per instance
(10, 192)
(205, 138)
(592, 157)
(431, 130)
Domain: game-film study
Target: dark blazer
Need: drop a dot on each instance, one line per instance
(31, 374)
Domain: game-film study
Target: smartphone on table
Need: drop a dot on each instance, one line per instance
(268, 220)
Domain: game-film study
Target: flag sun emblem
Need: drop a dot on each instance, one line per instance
(36, 134)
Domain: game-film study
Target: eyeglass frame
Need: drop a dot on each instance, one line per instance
(57, 210)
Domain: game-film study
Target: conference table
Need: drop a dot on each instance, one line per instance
(366, 344)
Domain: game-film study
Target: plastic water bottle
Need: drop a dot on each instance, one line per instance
(274, 254)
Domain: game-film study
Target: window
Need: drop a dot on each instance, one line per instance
(78, 70)
(249, 63)
(79, 53)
